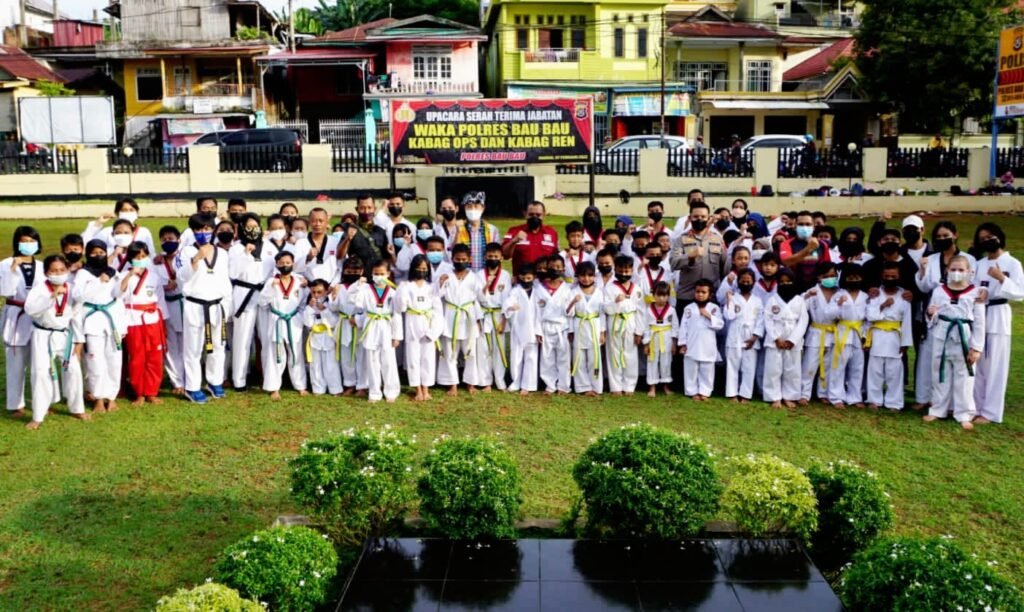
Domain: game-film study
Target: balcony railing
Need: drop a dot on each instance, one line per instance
(552, 56)
(426, 87)
(222, 90)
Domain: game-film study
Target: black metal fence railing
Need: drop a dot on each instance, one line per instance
(828, 163)
(43, 162)
(261, 158)
(606, 162)
(1010, 159)
(365, 158)
(148, 160)
(710, 163)
(922, 162)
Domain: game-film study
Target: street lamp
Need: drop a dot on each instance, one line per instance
(128, 152)
(852, 148)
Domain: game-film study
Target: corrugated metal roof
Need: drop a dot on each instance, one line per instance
(21, 65)
(721, 29)
(821, 62)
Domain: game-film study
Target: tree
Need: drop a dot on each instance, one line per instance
(463, 11)
(305, 21)
(345, 14)
(931, 60)
(53, 89)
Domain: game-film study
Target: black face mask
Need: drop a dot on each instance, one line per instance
(654, 262)
(395, 211)
(492, 264)
(73, 257)
(850, 249)
(853, 285)
(990, 245)
(613, 249)
(169, 247)
(225, 237)
(889, 248)
(699, 225)
(534, 223)
(251, 234)
(448, 215)
(623, 278)
(348, 279)
(655, 216)
(891, 283)
(283, 270)
(746, 288)
(639, 250)
(604, 270)
(459, 266)
(911, 234)
(722, 225)
(528, 285)
(787, 291)
(941, 244)
(236, 217)
(417, 274)
(554, 274)
(96, 262)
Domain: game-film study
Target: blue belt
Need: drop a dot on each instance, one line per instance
(285, 318)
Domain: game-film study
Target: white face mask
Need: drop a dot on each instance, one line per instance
(956, 276)
(128, 215)
(122, 240)
(57, 279)
(756, 255)
(299, 235)
(277, 234)
(739, 213)
(474, 215)
(380, 280)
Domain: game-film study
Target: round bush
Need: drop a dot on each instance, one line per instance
(356, 484)
(640, 481)
(853, 509)
(767, 496)
(209, 597)
(289, 568)
(470, 490)
(908, 574)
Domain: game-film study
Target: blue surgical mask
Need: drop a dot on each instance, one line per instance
(140, 263)
(830, 283)
(203, 237)
(28, 248)
(423, 234)
(803, 232)
(338, 235)
(435, 257)
(399, 242)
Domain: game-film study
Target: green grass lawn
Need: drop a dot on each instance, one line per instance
(114, 513)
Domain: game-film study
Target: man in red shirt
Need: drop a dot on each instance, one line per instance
(530, 241)
(803, 252)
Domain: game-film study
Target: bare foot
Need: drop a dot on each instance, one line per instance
(858, 405)
(789, 404)
(563, 393)
(89, 397)
(839, 405)
(362, 393)
(744, 400)
(100, 407)
(733, 399)
(967, 425)
(487, 389)
(427, 396)
(629, 394)
(524, 393)
(303, 393)
(152, 399)
(112, 405)
(390, 400)
(615, 393)
(138, 401)
(667, 390)
(825, 402)
(591, 394)
(275, 396)
(417, 397)
(16, 414)
(348, 392)
(178, 391)
(374, 401)
(548, 392)
(84, 416)
(452, 391)
(471, 389)
(803, 402)
(651, 392)
(777, 404)
(872, 406)
(928, 418)
(981, 421)
(918, 406)
(32, 425)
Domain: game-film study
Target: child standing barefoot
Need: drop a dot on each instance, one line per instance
(785, 322)
(104, 323)
(698, 341)
(661, 326)
(424, 321)
(523, 317)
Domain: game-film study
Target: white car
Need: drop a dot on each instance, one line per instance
(622, 156)
(773, 141)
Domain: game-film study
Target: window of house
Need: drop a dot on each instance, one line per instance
(149, 85)
(759, 75)
(522, 38)
(630, 18)
(620, 42)
(579, 38)
(556, 39)
(518, 19)
(702, 75)
(561, 20)
(641, 42)
(431, 62)
(189, 17)
(551, 19)
(526, 20)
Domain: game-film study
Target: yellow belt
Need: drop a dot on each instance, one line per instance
(429, 315)
(373, 318)
(824, 329)
(657, 332)
(886, 326)
(322, 328)
(618, 326)
(843, 338)
(592, 319)
(494, 312)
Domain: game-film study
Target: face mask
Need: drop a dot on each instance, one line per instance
(911, 234)
(96, 262)
(722, 225)
(956, 276)
(990, 245)
(365, 217)
(236, 217)
(474, 215)
(435, 257)
(891, 283)
(447, 215)
(28, 248)
(73, 257)
(850, 249)
(338, 235)
(287, 218)
(380, 280)
(423, 234)
(128, 215)
(889, 248)
(122, 240)
(942, 244)
(787, 291)
(348, 279)
(203, 237)
(654, 262)
(698, 225)
(399, 243)
(395, 211)
(613, 249)
(277, 235)
(528, 285)
(251, 234)
(225, 237)
(140, 263)
(492, 264)
(168, 247)
(459, 266)
(854, 285)
(534, 223)
(757, 254)
(417, 274)
(655, 216)
(604, 270)
(746, 288)
(300, 235)
(803, 232)
(739, 213)
(284, 270)
(554, 274)
(623, 278)
(830, 283)
(57, 279)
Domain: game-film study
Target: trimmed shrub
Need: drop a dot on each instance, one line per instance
(853, 509)
(909, 574)
(357, 484)
(470, 490)
(209, 597)
(640, 481)
(767, 496)
(289, 568)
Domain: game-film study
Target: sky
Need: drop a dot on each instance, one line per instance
(82, 9)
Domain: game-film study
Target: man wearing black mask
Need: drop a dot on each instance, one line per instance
(888, 247)
(851, 246)
(698, 253)
(531, 241)
(236, 210)
(365, 240)
(655, 215)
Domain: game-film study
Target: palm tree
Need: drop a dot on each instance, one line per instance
(305, 21)
(345, 14)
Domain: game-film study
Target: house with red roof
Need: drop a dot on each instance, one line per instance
(19, 75)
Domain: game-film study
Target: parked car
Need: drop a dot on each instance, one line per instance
(773, 141)
(257, 149)
(623, 155)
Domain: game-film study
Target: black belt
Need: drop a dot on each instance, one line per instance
(998, 302)
(208, 323)
(252, 287)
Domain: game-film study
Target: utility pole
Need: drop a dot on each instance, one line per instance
(664, 58)
(22, 28)
(291, 27)
(56, 10)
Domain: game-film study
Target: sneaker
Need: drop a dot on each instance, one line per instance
(217, 391)
(196, 396)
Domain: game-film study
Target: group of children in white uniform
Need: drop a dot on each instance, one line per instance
(343, 326)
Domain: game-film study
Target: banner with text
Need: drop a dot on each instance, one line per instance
(1010, 81)
(494, 131)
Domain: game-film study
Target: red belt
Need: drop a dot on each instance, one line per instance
(143, 307)
(17, 303)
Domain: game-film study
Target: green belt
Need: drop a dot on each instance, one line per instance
(960, 325)
(373, 318)
(459, 310)
(69, 343)
(285, 318)
(105, 309)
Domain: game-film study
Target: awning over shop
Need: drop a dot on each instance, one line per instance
(766, 105)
